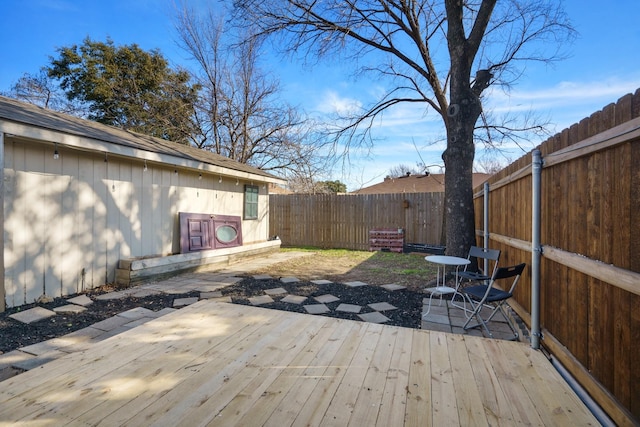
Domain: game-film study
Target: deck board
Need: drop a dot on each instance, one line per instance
(224, 364)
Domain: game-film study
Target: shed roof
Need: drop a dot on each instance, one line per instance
(123, 142)
(432, 183)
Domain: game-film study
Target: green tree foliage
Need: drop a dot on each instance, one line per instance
(127, 87)
(334, 186)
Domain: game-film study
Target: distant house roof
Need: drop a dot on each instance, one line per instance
(276, 189)
(123, 142)
(432, 183)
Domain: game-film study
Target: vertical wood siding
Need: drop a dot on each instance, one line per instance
(69, 221)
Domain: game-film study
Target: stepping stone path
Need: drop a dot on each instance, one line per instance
(289, 280)
(316, 308)
(325, 299)
(275, 291)
(259, 300)
(70, 309)
(349, 308)
(382, 306)
(294, 299)
(355, 284)
(374, 317)
(32, 315)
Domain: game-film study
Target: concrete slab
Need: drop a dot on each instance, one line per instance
(82, 300)
(316, 308)
(32, 315)
(162, 312)
(349, 308)
(259, 300)
(289, 279)
(382, 306)
(70, 309)
(355, 284)
(294, 299)
(222, 299)
(35, 361)
(182, 302)
(7, 360)
(394, 287)
(327, 298)
(374, 317)
(262, 277)
(321, 282)
(275, 291)
(137, 322)
(111, 323)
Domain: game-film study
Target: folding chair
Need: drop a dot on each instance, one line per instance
(492, 297)
(479, 275)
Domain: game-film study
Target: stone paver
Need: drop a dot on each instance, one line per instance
(141, 293)
(374, 317)
(182, 302)
(275, 291)
(394, 287)
(262, 299)
(440, 327)
(82, 300)
(136, 313)
(327, 298)
(321, 282)
(262, 277)
(70, 309)
(382, 306)
(294, 299)
(209, 295)
(316, 308)
(436, 318)
(289, 280)
(349, 308)
(32, 315)
(111, 296)
(355, 284)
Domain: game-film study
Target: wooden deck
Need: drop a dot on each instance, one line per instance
(231, 365)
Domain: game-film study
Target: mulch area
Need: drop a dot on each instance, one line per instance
(15, 334)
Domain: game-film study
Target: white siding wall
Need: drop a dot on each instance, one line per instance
(69, 221)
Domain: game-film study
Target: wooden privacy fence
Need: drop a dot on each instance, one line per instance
(344, 220)
(590, 236)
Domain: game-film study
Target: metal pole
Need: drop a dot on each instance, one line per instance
(486, 224)
(536, 248)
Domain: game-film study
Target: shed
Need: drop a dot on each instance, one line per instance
(82, 200)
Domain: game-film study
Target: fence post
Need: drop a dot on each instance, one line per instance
(536, 249)
(486, 223)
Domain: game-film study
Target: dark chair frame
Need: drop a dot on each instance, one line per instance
(480, 254)
(481, 296)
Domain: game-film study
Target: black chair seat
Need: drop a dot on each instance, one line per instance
(478, 292)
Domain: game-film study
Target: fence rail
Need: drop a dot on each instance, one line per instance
(344, 220)
(590, 274)
(590, 266)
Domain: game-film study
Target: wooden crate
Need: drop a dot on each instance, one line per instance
(391, 239)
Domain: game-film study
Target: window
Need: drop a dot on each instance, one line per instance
(250, 202)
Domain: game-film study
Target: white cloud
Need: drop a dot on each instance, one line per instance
(334, 103)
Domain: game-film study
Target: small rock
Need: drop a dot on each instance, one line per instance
(44, 298)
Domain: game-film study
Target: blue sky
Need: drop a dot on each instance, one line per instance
(604, 66)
